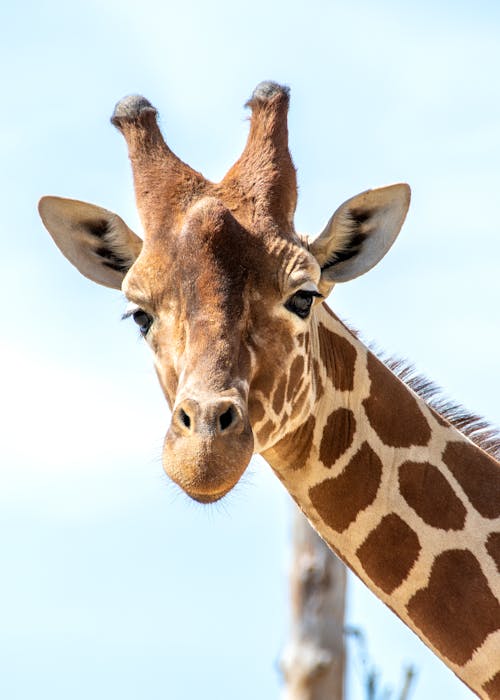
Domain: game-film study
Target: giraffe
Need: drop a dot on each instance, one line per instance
(231, 300)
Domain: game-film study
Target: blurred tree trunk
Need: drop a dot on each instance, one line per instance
(313, 661)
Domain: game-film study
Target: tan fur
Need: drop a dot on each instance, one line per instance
(224, 284)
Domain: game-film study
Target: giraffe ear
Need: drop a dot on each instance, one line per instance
(360, 233)
(95, 240)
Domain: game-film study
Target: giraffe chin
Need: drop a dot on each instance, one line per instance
(207, 467)
(209, 498)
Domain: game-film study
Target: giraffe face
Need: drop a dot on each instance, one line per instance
(222, 288)
(224, 322)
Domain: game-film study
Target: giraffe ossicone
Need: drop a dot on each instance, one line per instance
(250, 359)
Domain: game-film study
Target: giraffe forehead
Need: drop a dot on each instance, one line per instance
(212, 233)
(213, 257)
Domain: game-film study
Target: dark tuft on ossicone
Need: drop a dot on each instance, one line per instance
(268, 89)
(131, 107)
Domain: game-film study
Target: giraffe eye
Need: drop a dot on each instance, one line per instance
(300, 303)
(143, 320)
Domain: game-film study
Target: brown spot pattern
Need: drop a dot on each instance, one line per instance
(478, 474)
(263, 382)
(256, 410)
(299, 403)
(430, 495)
(296, 373)
(293, 450)
(493, 547)
(320, 390)
(442, 421)
(337, 435)
(307, 342)
(389, 552)
(339, 500)
(457, 610)
(309, 363)
(492, 687)
(279, 395)
(392, 410)
(339, 358)
(264, 432)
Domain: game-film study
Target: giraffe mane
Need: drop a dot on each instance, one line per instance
(473, 426)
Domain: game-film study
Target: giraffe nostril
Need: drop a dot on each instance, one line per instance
(226, 418)
(185, 418)
(209, 417)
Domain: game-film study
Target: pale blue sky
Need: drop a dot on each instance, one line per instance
(113, 584)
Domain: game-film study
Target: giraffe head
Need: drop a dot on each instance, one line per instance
(222, 287)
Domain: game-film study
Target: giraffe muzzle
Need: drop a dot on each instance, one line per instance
(208, 446)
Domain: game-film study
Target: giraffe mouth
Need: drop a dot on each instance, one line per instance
(207, 498)
(206, 466)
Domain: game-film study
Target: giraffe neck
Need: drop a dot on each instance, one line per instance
(405, 499)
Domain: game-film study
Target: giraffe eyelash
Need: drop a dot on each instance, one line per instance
(142, 318)
(130, 311)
